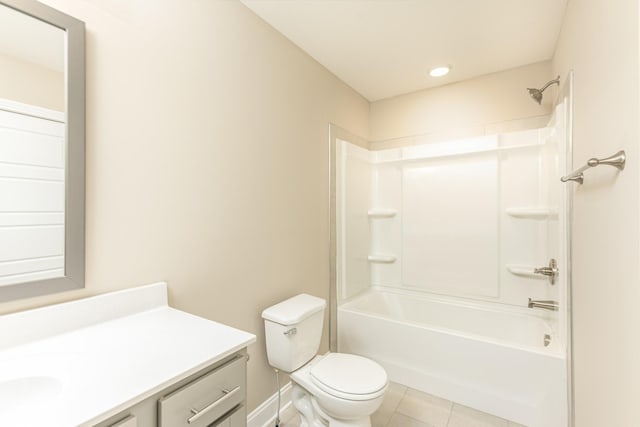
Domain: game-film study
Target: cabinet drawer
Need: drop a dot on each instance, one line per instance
(130, 421)
(205, 399)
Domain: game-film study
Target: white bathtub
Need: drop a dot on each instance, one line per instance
(487, 357)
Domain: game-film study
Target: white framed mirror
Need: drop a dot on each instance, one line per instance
(42, 150)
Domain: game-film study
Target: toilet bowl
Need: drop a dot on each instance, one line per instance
(334, 389)
(344, 386)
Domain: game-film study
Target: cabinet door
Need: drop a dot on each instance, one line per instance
(235, 418)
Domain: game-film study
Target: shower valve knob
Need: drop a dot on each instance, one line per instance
(545, 271)
(551, 272)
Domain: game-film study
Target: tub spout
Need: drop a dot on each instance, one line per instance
(546, 304)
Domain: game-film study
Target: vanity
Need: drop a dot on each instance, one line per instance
(122, 359)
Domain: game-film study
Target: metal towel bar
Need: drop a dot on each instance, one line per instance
(617, 160)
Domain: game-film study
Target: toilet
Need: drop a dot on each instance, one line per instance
(334, 389)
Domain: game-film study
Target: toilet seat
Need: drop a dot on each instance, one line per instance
(348, 376)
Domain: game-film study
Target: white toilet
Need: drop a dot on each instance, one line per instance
(335, 389)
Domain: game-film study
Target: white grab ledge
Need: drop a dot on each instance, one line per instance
(383, 259)
(382, 213)
(532, 212)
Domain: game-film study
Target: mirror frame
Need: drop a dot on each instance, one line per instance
(74, 264)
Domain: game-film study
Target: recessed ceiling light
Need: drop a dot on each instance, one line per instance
(440, 71)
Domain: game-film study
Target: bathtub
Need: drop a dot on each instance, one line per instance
(485, 356)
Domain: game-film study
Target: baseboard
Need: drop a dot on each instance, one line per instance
(265, 414)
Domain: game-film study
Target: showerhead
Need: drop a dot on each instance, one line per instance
(536, 94)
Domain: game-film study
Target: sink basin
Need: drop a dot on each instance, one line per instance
(16, 390)
(32, 385)
(24, 398)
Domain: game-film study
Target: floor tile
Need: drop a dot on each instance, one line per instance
(392, 398)
(405, 407)
(291, 422)
(463, 416)
(424, 407)
(289, 417)
(399, 420)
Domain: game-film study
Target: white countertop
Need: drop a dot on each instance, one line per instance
(127, 346)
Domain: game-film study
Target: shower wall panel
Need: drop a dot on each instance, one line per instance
(386, 231)
(354, 179)
(450, 224)
(525, 215)
(469, 218)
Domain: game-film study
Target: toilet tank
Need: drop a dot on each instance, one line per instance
(293, 329)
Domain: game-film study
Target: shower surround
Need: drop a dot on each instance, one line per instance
(436, 247)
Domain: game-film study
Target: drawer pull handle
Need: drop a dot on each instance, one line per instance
(227, 394)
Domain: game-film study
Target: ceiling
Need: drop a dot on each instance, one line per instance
(384, 48)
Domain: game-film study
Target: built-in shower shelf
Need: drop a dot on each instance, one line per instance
(532, 212)
(382, 259)
(382, 213)
(524, 270)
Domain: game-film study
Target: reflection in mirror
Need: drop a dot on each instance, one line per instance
(31, 60)
(41, 150)
(31, 148)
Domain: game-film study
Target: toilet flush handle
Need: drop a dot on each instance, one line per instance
(291, 332)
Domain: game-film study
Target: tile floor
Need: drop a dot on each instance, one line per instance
(405, 407)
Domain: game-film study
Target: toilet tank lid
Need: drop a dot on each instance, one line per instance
(294, 310)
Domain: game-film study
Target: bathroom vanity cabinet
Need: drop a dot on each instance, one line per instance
(122, 359)
(214, 396)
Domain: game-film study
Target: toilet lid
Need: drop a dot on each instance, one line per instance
(349, 376)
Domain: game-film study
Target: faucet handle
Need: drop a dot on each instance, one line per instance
(551, 272)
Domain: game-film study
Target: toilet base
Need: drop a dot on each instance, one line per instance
(311, 415)
(303, 403)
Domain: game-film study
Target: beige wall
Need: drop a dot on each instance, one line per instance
(464, 108)
(207, 161)
(599, 41)
(30, 83)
